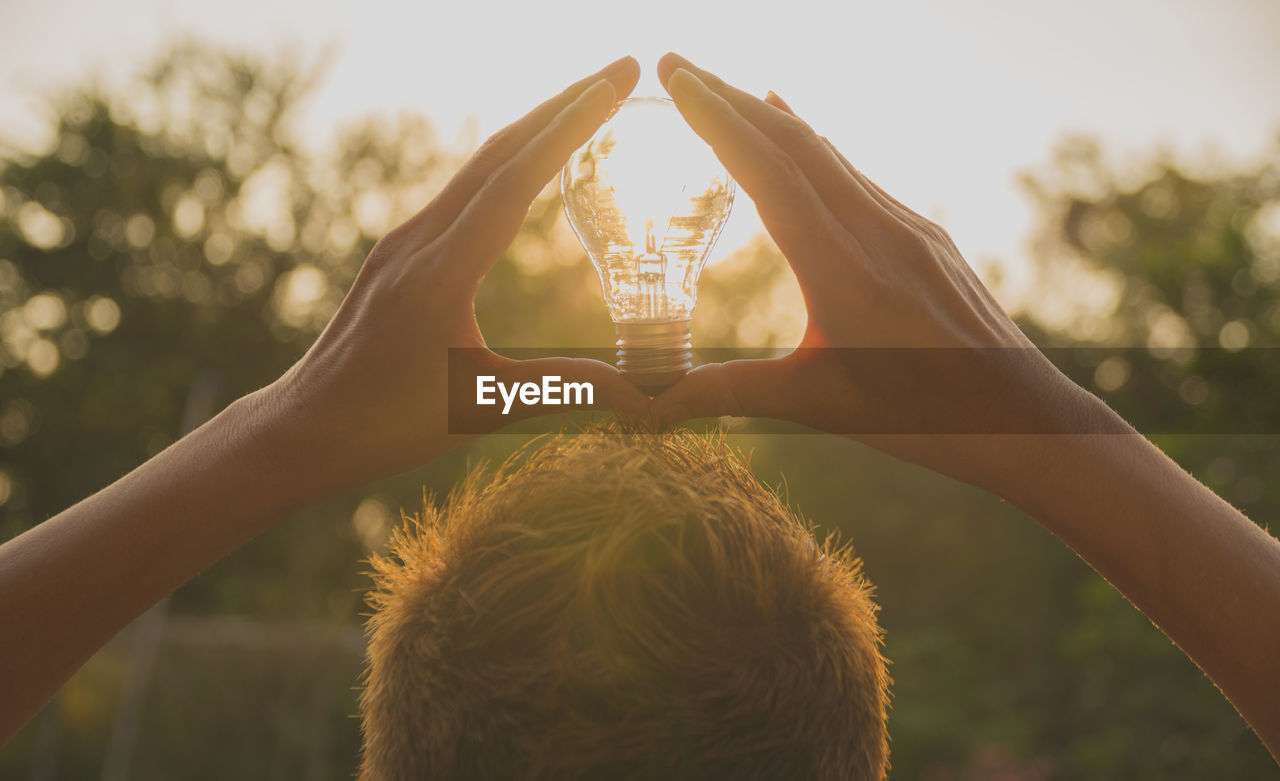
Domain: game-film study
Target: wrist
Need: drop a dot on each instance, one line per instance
(1039, 472)
(1048, 420)
(273, 440)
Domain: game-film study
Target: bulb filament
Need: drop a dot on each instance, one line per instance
(651, 272)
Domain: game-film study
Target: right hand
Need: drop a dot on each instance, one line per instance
(874, 275)
(377, 392)
(971, 387)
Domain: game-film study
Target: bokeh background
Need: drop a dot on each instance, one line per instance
(186, 192)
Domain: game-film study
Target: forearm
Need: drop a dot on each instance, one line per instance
(876, 275)
(1197, 567)
(69, 584)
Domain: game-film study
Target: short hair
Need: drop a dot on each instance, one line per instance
(623, 605)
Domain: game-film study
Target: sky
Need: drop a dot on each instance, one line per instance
(942, 103)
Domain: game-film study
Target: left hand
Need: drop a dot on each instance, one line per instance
(905, 349)
(371, 395)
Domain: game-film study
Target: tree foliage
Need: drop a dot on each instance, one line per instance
(178, 246)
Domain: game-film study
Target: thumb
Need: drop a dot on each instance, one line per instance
(746, 388)
(612, 391)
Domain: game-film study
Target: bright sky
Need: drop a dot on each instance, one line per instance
(941, 102)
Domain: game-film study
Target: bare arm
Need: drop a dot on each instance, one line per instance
(1196, 566)
(368, 400)
(907, 351)
(68, 585)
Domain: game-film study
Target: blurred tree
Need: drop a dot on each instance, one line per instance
(176, 246)
(1175, 260)
(1011, 657)
(171, 253)
(1185, 271)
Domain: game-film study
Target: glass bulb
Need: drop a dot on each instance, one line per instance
(648, 198)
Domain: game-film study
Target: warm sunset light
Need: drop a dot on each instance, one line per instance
(648, 199)
(569, 389)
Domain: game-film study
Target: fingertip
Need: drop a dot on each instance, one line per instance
(685, 83)
(623, 63)
(624, 74)
(673, 406)
(623, 397)
(637, 406)
(603, 85)
(668, 64)
(775, 100)
(617, 393)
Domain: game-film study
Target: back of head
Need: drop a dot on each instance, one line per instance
(621, 605)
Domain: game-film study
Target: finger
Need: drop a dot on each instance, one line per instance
(887, 201)
(775, 100)
(891, 204)
(745, 388)
(490, 221)
(791, 210)
(846, 197)
(434, 218)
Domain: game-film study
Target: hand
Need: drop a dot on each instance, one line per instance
(956, 378)
(368, 400)
(874, 275)
(372, 391)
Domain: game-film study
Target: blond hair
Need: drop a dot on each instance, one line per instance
(617, 604)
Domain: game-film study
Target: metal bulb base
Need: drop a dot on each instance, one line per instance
(654, 356)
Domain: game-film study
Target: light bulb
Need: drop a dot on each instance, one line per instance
(648, 198)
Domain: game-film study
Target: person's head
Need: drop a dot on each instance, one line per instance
(620, 606)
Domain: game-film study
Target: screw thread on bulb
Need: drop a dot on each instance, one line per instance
(654, 356)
